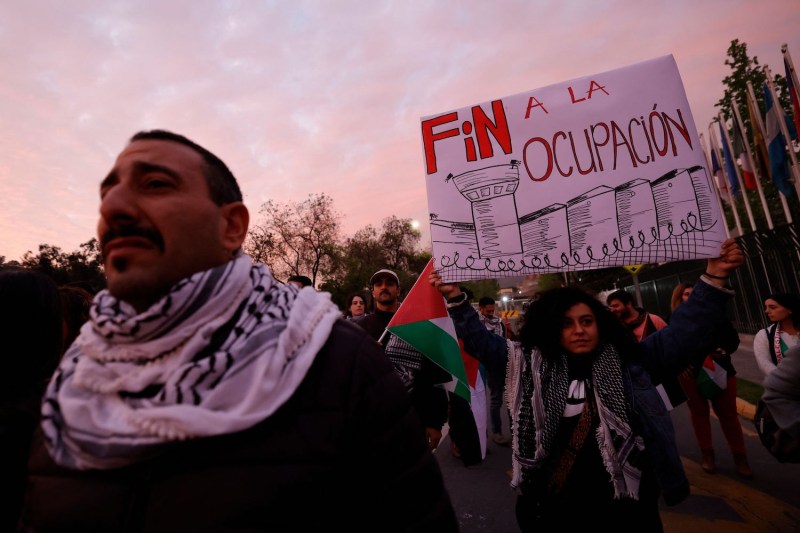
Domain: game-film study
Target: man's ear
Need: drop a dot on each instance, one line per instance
(236, 220)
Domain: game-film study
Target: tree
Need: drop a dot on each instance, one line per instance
(259, 245)
(399, 240)
(746, 69)
(82, 267)
(369, 250)
(299, 238)
(483, 288)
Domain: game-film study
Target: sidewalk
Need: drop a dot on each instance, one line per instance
(746, 368)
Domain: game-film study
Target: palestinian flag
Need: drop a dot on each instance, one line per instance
(712, 378)
(422, 321)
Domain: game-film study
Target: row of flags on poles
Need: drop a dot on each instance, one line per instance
(769, 141)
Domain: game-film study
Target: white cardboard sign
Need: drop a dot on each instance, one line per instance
(605, 170)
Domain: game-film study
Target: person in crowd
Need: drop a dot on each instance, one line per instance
(467, 419)
(642, 323)
(30, 329)
(639, 321)
(423, 378)
(771, 343)
(593, 443)
(356, 306)
(782, 397)
(75, 304)
(204, 395)
(299, 281)
(724, 402)
(496, 374)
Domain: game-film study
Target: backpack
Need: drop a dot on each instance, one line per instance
(771, 330)
(781, 445)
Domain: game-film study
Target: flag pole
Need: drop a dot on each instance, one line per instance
(787, 60)
(714, 185)
(792, 72)
(784, 130)
(752, 95)
(759, 132)
(749, 154)
(739, 179)
(715, 146)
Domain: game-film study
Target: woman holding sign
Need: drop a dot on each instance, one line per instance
(723, 400)
(593, 443)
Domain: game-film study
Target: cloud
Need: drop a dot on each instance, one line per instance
(310, 96)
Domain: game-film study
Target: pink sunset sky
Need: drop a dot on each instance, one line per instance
(309, 97)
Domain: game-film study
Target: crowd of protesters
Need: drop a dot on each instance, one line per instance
(198, 392)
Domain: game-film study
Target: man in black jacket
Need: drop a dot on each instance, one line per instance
(421, 377)
(205, 395)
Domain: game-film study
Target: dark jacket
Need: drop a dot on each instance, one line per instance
(345, 452)
(18, 421)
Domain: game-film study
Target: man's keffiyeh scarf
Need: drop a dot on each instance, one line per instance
(493, 324)
(221, 352)
(537, 392)
(405, 359)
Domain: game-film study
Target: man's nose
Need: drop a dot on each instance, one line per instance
(118, 204)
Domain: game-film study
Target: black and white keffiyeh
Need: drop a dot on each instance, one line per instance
(221, 352)
(537, 390)
(406, 360)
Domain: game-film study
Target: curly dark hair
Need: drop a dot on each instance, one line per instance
(544, 321)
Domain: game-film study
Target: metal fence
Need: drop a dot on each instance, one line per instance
(772, 265)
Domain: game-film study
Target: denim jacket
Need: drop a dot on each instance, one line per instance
(666, 352)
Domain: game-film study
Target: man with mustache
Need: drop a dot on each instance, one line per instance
(205, 395)
(419, 374)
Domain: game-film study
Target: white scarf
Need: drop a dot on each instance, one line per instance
(221, 352)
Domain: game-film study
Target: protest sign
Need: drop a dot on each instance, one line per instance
(605, 170)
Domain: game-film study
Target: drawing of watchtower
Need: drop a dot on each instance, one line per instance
(491, 191)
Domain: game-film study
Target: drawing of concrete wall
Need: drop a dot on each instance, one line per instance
(453, 240)
(639, 221)
(636, 215)
(491, 191)
(681, 208)
(592, 220)
(545, 236)
(705, 194)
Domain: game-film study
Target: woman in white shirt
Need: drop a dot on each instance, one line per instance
(771, 343)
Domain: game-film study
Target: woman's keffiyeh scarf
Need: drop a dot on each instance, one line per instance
(537, 391)
(221, 352)
(778, 346)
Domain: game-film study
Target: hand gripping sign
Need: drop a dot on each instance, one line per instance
(600, 171)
